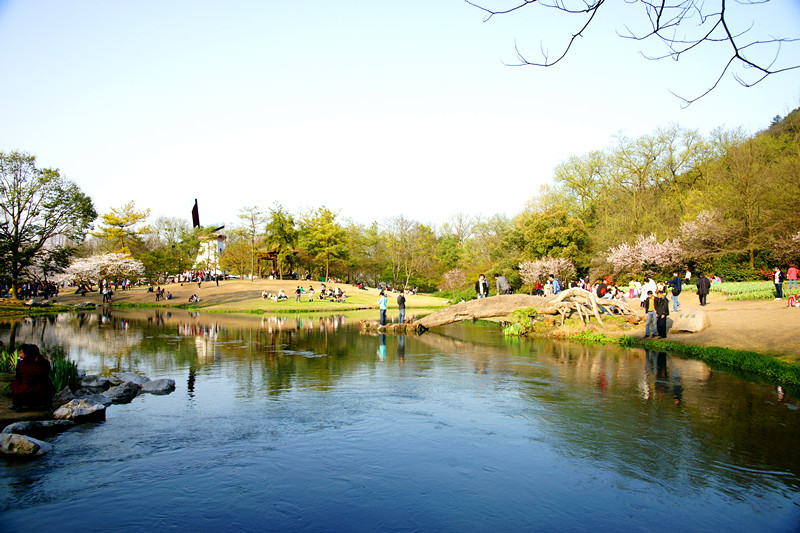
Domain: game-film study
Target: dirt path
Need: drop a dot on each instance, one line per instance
(768, 327)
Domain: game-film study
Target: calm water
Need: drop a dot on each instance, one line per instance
(306, 424)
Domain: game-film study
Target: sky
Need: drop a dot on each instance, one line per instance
(372, 108)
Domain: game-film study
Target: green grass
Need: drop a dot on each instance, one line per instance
(8, 361)
(747, 290)
(752, 364)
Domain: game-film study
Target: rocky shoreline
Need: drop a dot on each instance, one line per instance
(22, 435)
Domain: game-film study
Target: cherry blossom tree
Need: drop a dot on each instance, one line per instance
(454, 279)
(112, 266)
(646, 255)
(532, 272)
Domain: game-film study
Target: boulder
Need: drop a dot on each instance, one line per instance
(123, 393)
(689, 320)
(159, 386)
(15, 444)
(120, 377)
(39, 429)
(64, 396)
(94, 381)
(81, 411)
(89, 395)
(85, 305)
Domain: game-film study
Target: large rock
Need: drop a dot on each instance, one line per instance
(81, 411)
(64, 396)
(689, 320)
(39, 429)
(89, 395)
(123, 393)
(120, 377)
(15, 444)
(159, 386)
(94, 381)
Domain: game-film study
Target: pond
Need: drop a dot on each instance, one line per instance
(297, 423)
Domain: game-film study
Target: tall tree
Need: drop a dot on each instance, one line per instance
(39, 208)
(281, 236)
(123, 230)
(323, 237)
(252, 219)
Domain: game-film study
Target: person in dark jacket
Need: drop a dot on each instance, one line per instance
(703, 287)
(482, 287)
(676, 284)
(662, 312)
(31, 386)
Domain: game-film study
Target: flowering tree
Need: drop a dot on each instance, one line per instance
(114, 266)
(647, 255)
(453, 279)
(537, 271)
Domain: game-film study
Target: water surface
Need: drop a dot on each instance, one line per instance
(307, 424)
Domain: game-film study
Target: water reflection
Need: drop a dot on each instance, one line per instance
(633, 434)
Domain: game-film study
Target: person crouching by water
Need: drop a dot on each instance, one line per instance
(31, 386)
(382, 303)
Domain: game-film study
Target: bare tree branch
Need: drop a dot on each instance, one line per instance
(682, 26)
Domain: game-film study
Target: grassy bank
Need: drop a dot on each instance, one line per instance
(747, 364)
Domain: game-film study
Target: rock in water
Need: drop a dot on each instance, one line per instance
(39, 429)
(122, 377)
(62, 397)
(89, 395)
(159, 386)
(123, 393)
(95, 382)
(15, 444)
(81, 411)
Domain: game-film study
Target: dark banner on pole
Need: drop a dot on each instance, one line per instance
(195, 215)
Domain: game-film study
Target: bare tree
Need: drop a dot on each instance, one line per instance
(681, 26)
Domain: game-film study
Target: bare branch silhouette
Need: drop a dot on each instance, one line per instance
(682, 26)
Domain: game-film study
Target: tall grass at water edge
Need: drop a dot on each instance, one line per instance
(63, 372)
(8, 361)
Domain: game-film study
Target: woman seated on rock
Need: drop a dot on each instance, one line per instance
(31, 386)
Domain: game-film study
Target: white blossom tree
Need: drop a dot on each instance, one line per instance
(646, 255)
(536, 271)
(112, 266)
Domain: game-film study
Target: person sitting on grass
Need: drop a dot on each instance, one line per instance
(193, 298)
(31, 386)
(282, 295)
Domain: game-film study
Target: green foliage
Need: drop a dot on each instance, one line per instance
(8, 361)
(36, 205)
(522, 322)
(64, 373)
(733, 268)
(122, 230)
(458, 295)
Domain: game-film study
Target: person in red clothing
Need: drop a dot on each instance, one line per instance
(791, 275)
(31, 386)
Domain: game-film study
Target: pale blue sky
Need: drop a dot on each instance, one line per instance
(405, 105)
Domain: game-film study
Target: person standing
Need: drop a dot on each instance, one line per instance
(482, 287)
(791, 275)
(778, 280)
(556, 284)
(662, 312)
(503, 286)
(401, 305)
(703, 286)
(382, 304)
(649, 304)
(676, 284)
(298, 293)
